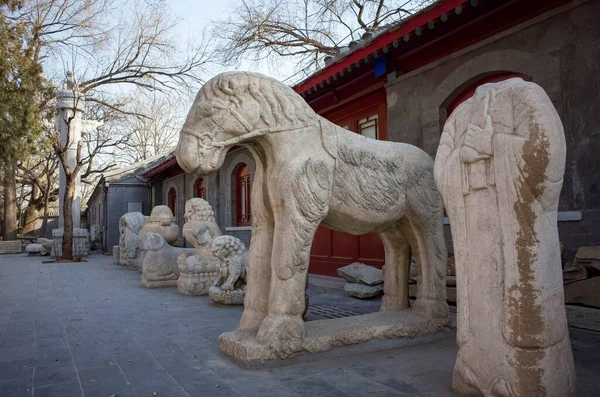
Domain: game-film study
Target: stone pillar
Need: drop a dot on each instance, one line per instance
(69, 104)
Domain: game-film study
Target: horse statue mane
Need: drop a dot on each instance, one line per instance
(275, 104)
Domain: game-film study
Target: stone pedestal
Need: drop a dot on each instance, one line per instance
(80, 243)
(196, 276)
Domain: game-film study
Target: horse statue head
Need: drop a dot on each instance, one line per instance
(236, 108)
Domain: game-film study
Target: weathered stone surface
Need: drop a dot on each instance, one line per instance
(116, 255)
(36, 249)
(588, 253)
(162, 221)
(451, 270)
(230, 287)
(363, 291)
(322, 335)
(574, 273)
(81, 243)
(593, 268)
(361, 273)
(46, 243)
(500, 167)
(199, 271)
(584, 292)
(196, 277)
(159, 266)
(10, 247)
(130, 238)
(311, 172)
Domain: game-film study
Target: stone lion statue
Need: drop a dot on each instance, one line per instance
(310, 172)
(197, 272)
(234, 262)
(230, 286)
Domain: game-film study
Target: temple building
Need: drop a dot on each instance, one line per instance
(401, 83)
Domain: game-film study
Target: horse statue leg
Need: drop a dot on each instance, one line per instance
(302, 203)
(397, 264)
(425, 213)
(256, 302)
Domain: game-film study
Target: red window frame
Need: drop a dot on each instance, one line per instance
(243, 189)
(200, 188)
(173, 201)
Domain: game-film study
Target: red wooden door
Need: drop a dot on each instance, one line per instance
(331, 249)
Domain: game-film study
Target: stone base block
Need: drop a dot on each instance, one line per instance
(158, 284)
(116, 255)
(10, 247)
(195, 284)
(223, 297)
(404, 328)
(80, 243)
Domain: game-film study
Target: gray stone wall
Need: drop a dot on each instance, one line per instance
(560, 50)
(118, 197)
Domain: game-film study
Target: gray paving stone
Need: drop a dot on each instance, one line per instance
(63, 390)
(16, 388)
(121, 339)
(16, 370)
(54, 375)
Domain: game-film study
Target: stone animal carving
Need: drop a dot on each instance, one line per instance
(130, 228)
(159, 266)
(310, 172)
(500, 167)
(198, 271)
(230, 287)
(162, 221)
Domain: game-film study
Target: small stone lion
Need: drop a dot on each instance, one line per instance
(234, 262)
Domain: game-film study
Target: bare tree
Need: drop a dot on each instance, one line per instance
(156, 133)
(114, 49)
(305, 30)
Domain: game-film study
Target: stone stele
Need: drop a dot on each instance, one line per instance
(199, 271)
(130, 228)
(162, 221)
(500, 167)
(159, 261)
(230, 287)
(310, 171)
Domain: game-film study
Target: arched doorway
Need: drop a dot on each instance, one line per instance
(173, 201)
(468, 92)
(200, 188)
(242, 190)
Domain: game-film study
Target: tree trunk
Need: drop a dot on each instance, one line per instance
(67, 242)
(45, 219)
(32, 212)
(10, 201)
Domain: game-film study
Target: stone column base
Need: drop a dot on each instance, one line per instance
(80, 243)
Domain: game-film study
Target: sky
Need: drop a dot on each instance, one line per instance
(194, 16)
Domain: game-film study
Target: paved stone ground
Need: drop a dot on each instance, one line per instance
(89, 329)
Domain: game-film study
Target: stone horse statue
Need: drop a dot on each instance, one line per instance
(310, 172)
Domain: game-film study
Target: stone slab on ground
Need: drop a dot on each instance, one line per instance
(10, 247)
(119, 338)
(361, 273)
(584, 292)
(363, 291)
(323, 335)
(588, 253)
